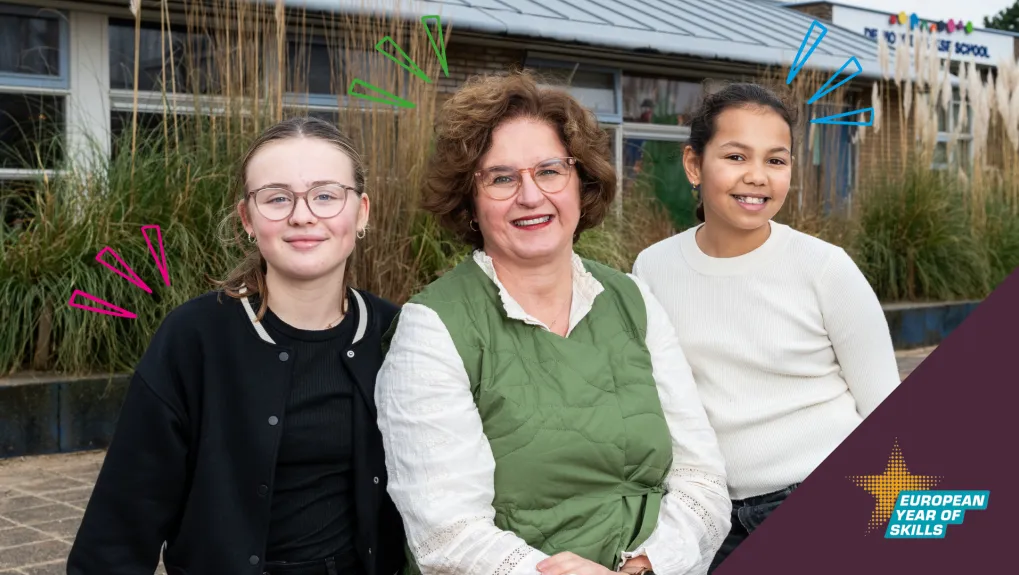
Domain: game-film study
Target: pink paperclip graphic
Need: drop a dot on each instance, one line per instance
(133, 278)
(161, 260)
(118, 311)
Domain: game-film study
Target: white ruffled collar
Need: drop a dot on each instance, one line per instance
(585, 289)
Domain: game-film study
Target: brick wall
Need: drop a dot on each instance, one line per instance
(465, 60)
(820, 10)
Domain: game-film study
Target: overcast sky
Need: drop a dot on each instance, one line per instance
(966, 10)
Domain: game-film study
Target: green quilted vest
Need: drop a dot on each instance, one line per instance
(580, 442)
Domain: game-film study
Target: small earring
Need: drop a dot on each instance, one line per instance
(361, 233)
(471, 225)
(251, 238)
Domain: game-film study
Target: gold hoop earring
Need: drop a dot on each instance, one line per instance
(361, 233)
(471, 226)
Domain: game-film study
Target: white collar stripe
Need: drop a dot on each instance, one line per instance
(362, 317)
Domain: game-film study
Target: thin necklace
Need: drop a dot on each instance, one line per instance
(569, 303)
(343, 314)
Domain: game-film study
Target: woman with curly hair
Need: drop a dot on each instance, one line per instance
(537, 412)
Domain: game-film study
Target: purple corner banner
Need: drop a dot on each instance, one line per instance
(956, 417)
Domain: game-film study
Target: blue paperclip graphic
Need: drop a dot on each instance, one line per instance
(824, 90)
(797, 63)
(832, 119)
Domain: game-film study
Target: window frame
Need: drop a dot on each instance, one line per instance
(948, 135)
(33, 82)
(183, 103)
(617, 81)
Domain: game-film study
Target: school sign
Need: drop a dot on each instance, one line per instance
(955, 38)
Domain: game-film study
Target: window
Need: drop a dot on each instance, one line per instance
(656, 118)
(655, 167)
(953, 149)
(32, 48)
(33, 89)
(312, 65)
(319, 73)
(153, 127)
(31, 131)
(191, 54)
(659, 100)
(597, 88)
(832, 159)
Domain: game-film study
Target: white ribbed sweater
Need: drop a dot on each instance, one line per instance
(788, 344)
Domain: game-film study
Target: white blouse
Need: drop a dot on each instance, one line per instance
(441, 468)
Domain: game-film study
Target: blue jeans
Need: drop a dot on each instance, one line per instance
(747, 515)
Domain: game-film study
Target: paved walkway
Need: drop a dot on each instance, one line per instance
(42, 500)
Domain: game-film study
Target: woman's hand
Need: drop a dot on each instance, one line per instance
(636, 565)
(569, 564)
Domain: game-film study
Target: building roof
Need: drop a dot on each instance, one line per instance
(758, 32)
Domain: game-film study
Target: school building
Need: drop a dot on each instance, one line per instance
(67, 67)
(958, 40)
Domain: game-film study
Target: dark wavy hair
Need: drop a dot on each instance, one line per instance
(737, 95)
(464, 134)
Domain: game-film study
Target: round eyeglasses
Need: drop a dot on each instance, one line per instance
(325, 201)
(503, 182)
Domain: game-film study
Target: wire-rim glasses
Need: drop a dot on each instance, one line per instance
(503, 182)
(324, 201)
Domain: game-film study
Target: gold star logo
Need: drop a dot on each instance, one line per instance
(886, 487)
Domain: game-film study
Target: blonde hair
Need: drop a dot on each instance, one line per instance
(250, 272)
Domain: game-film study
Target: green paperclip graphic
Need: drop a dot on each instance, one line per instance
(409, 65)
(440, 48)
(392, 99)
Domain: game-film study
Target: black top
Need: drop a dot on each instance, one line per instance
(193, 459)
(312, 513)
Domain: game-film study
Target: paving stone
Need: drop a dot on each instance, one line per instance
(57, 568)
(20, 475)
(34, 554)
(20, 536)
(36, 515)
(66, 528)
(52, 484)
(77, 495)
(19, 502)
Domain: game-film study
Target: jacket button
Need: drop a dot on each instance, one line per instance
(350, 353)
(273, 420)
(376, 480)
(263, 490)
(284, 356)
(253, 559)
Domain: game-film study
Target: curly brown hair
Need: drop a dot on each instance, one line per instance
(464, 134)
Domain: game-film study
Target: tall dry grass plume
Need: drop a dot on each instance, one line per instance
(256, 70)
